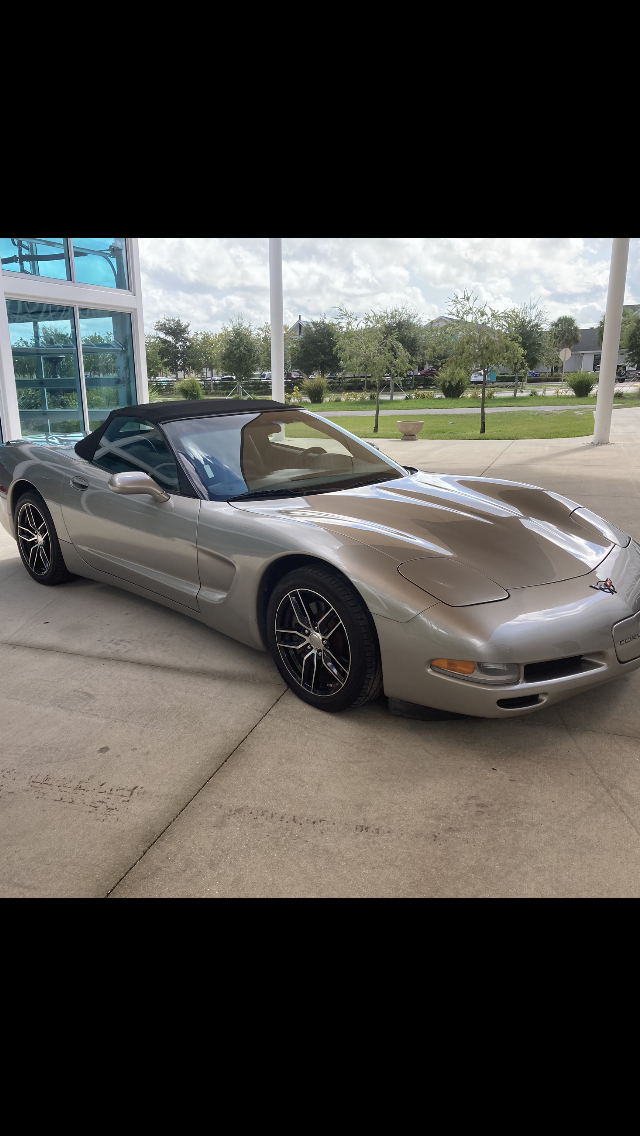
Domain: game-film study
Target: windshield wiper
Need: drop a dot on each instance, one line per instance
(274, 493)
(331, 488)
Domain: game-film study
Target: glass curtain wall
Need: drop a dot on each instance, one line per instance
(86, 260)
(51, 379)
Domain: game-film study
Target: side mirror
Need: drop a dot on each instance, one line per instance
(136, 483)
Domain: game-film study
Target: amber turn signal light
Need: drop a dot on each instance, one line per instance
(459, 666)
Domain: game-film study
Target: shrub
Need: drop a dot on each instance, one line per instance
(452, 381)
(315, 389)
(189, 389)
(581, 382)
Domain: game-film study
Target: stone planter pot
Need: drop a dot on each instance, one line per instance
(410, 430)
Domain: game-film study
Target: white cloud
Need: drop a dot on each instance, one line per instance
(205, 280)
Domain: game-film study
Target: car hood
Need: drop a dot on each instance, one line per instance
(464, 537)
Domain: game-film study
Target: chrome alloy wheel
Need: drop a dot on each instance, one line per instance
(313, 642)
(34, 539)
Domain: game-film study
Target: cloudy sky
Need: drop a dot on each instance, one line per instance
(206, 280)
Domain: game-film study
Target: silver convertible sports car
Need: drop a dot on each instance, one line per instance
(464, 594)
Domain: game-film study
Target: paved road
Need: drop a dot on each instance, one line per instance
(144, 755)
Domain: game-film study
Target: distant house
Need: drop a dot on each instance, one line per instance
(586, 354)
(298, 327)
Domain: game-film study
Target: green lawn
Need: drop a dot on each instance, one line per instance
(522, 424)
(410, 405)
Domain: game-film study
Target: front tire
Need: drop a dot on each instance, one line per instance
(323, 640)
(38, 542)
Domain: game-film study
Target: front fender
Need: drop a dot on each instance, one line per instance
(247, 545)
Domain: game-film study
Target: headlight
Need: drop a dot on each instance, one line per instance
(492, 674)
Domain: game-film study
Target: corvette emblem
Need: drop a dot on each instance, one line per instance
(604, 586)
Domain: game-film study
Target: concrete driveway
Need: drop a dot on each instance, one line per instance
(143, 755)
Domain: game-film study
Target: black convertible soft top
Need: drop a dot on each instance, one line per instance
(169, 411)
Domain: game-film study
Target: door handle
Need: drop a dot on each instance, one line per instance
(79, 483)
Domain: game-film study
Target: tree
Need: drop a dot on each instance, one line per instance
(482, 341)
(630, 337)
(549, 357)
(263, 339)
(155, 364)
(526, 326)
(565, 331)
(174, 343)
(240, 352)
(204, 352)
(366, 345)
(406, 326)
(317, 349)
(438, 342)
(403, 326)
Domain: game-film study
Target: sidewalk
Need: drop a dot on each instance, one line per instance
(144, 755)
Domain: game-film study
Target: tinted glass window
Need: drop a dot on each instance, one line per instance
(107, 353)
(101, 260)
(36, 256)
(45, 364)
(130, 444)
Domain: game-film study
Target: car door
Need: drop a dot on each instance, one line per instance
(135, 538)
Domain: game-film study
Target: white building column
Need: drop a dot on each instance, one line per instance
(611, 341)
(9, 412)
(277, 318)
(137, 322)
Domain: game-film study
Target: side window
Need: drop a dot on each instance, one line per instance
(131, 444)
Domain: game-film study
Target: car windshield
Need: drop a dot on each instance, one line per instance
(275, 453)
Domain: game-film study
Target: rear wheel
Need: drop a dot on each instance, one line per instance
(323, 640)
(38, 542)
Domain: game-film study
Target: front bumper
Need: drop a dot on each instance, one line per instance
(460, 697)
(538, 624)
